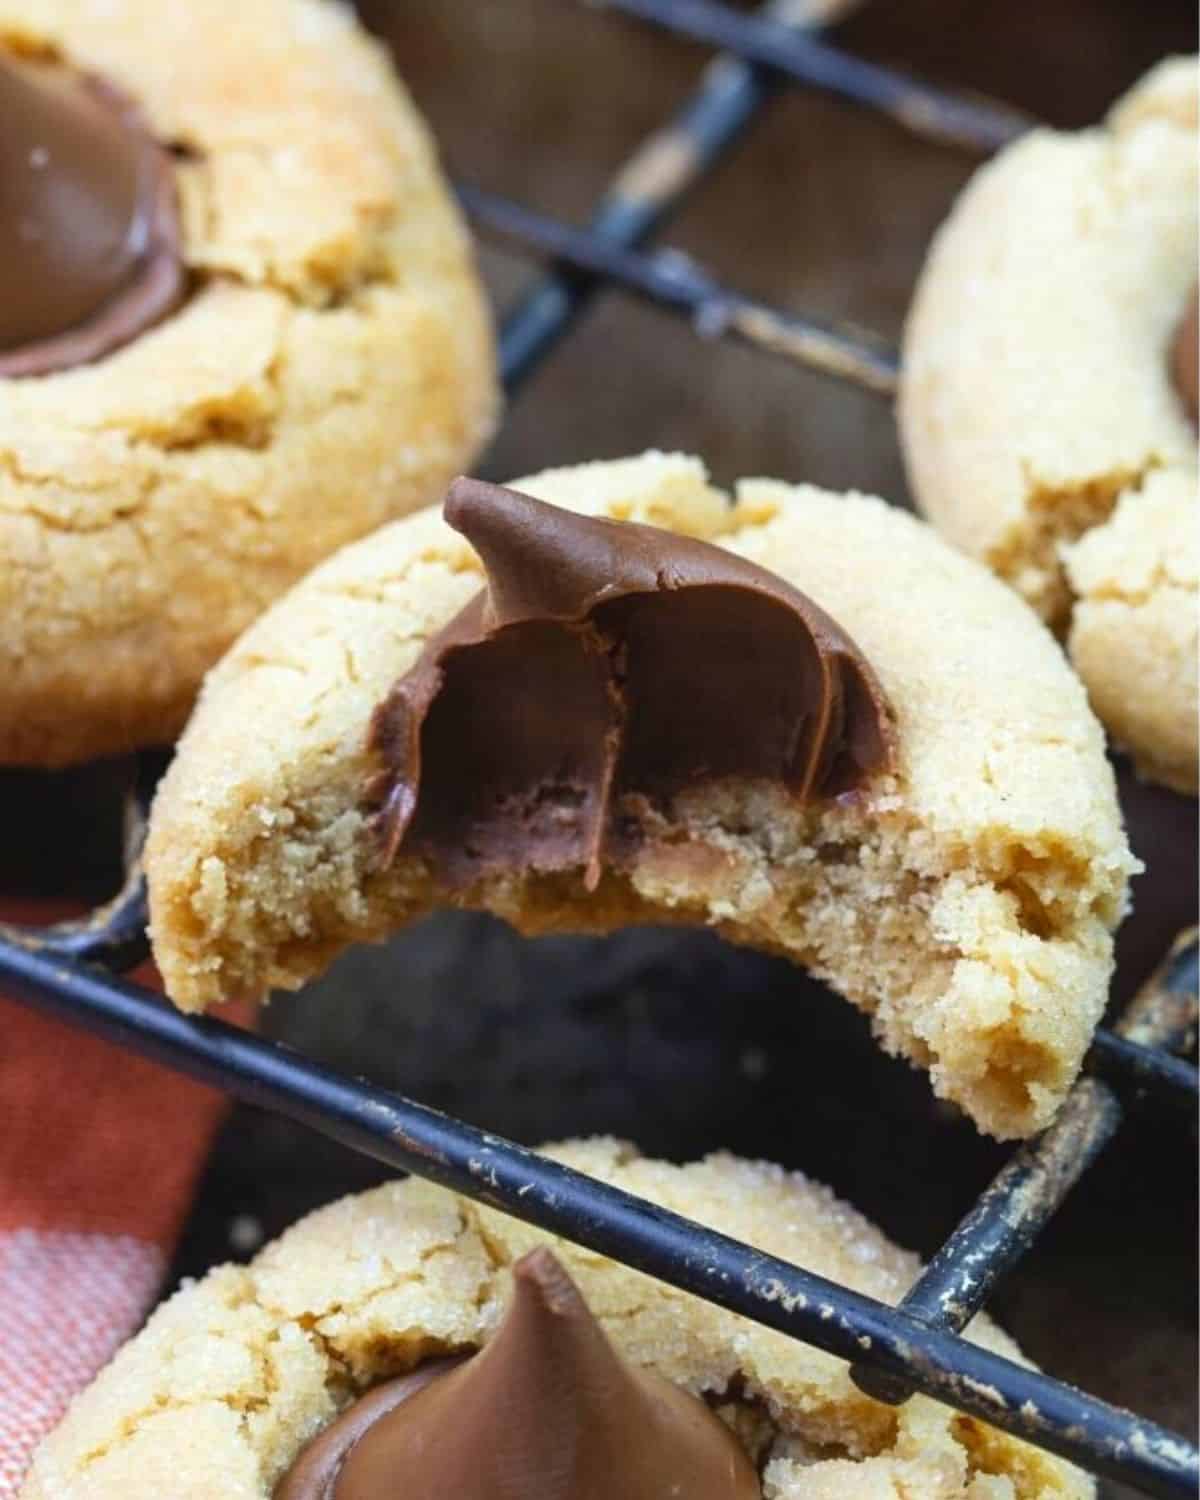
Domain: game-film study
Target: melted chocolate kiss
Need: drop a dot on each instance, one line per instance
(1185, 357)
(548, 1409)
(89, 234)
(605, 667)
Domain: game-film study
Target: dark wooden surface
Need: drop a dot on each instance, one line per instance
(676, 1040)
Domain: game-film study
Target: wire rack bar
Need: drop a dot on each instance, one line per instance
(950, 119)
(671, 280)
(1029, 1189)
(113, 934)
(1003, 1224)
(1121, 1060)
(1164, 1012)
(491, 1170)
(646, 191)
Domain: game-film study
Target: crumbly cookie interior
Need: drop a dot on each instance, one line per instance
(949, 949)
(966, 901)
(235, 1373)
(1038, 403)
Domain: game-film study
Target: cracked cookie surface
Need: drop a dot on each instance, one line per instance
(331, 369)
(234, 1374)
(965, 900)
(1036, 397)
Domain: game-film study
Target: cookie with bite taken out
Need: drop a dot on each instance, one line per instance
(613, 698)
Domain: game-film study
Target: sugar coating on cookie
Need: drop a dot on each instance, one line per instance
(1036, 392)
(236, 1373)
(965, 900)
(332, 367)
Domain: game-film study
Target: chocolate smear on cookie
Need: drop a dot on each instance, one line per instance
(1185, 357)
(89, 228)
(548, 1408)
(606, 667)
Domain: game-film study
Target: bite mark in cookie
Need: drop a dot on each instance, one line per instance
(605, 668)
(964, 897)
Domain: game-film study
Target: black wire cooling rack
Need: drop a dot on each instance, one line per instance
(71, 970)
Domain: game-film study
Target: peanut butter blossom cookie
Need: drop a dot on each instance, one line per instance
(239, 326)
(611, 697)
(1048, 400)
(406, 1342)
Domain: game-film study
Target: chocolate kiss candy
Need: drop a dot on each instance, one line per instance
(547, 1409)
(89, 235)
(605, 667)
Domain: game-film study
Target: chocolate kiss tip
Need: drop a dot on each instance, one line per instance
(471, 503)
(543, 1272)
(541, 561)
(461, 502)
(547, 1408)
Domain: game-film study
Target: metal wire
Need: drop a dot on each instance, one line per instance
(650, 187)
(113, 934)
(498, 1172)
(671, 280)
(949, 119)
(1163, 1013)
(1029, 1188)
(893, 1351)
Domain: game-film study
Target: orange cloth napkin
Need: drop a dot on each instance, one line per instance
(99, 1156)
